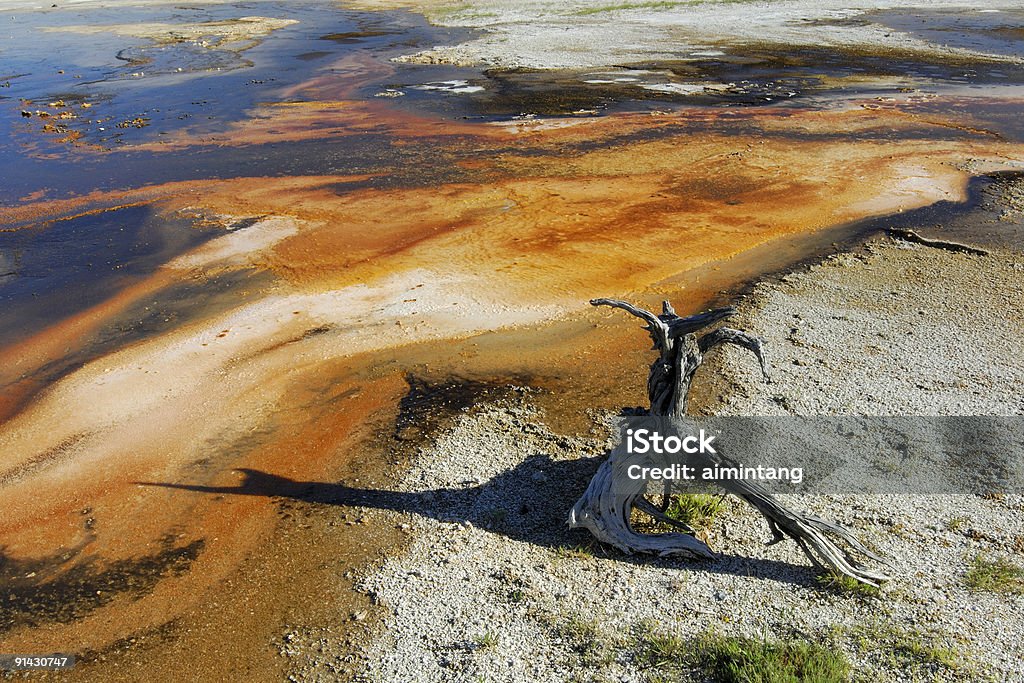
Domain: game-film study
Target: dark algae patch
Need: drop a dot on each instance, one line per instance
(147, 639)
(745, 75)
(60, 590)
(431, 403)
(356, 37)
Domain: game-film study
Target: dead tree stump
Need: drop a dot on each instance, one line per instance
(829, 546)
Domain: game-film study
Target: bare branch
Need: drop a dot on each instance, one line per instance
(658, 329)
(679, 327)
(727, 335)
(911, 236)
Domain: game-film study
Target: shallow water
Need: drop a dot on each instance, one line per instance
(53, 270)
(993, 32)
(138, 90)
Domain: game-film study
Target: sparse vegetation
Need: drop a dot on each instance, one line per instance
(956, 523)
(846, 585)
(655, 4)
(660, 650)
(462, 11)
(915, 647)
(744, 660)
(905, 651)
(444, 11)
(650, 4)
(669, 657)
(697, 510)
(595, 648)
(998, 575)
(486, 641)
(494, 517)
(575, 552)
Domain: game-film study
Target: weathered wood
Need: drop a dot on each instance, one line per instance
(911, 236)
(607, 515)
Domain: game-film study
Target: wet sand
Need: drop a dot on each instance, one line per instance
(463, 248)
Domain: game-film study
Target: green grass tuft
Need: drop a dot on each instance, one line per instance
(745, 660)
(596, 648)
(486, 641)
(581, 551)
(697, 510)
(957, 523)
(917, 649)
(662, 650)
(904, 651)
(846, 585)
(998, 576)
(724, 659)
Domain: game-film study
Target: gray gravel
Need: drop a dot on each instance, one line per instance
(895, 329)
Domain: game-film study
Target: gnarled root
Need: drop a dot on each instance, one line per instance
(607, 516)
